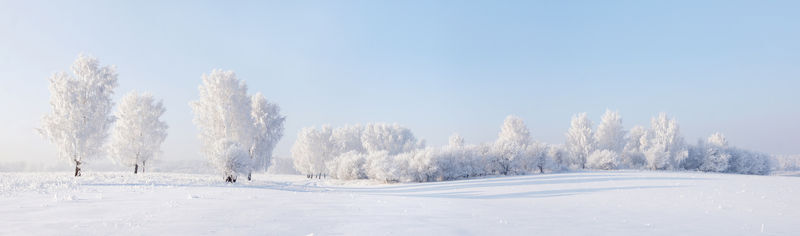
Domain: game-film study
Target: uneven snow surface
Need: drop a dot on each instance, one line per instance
(585, 203)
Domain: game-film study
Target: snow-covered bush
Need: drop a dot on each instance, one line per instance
(749, 162)
(786, 162)
(81, 110)
(138, 131)
(716, 157)
(603, 159)
(231, 159)
(348, 166)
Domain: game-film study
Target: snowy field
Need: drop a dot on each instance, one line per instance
(586, 203)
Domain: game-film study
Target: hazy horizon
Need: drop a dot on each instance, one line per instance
(435, 67)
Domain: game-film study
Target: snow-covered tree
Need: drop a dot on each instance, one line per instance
(267, 130)
(391, 138)
(456, 140)
(603, 159)
(348, 138)
(138, 132)
(512, 141)
(223, 112)
(81, 110)
(610, 134)
(348, 166)
(665, 147)
(312, 149)
(580, 141)
(633, 153)
(716, 158)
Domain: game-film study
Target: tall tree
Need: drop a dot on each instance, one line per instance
(268, 130)
(138, 132)
(610, 134)
(223, 113)
(580, 141)
(665, 147)
(81, 110)
(511, 144)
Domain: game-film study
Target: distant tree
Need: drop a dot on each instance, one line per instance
(665, 147)
(392, 138)
(603, 159)
(267, 130)
(717, 158)
(512, 141)
(348, 166)
(633, 153)
(348, 139)
(580, 141)
(138, 132)
(223, 112)
(456, 140)
(610, 134)
(81, 110)
(312, 149)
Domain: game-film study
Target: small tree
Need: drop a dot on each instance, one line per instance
(230, 158)
(580, 141)
(138, 132)
(81, 110)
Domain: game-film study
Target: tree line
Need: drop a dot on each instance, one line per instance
(391, 153)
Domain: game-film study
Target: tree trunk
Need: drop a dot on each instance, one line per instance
(77, 170)
(135, 168)
(143, 167)
(249, 176)
(541, 170)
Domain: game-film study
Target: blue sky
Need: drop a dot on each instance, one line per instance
(437, 67)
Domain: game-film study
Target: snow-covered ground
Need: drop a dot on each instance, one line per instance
(585, 203)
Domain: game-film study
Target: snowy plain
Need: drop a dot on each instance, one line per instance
(574, 203)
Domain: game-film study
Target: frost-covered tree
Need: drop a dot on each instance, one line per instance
(267, 130)
(348, 138)
(603, 159)
(580, 141)
(716, 158)
(512, 141)
(391, 138)
(138, 132)
(81, 110)
(665, 147)
(312, 149)
(610, 134)
(633, 153)
(223, 112)
(348, 166)
(456, 140)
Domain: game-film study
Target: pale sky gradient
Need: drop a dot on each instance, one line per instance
(437, 67)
